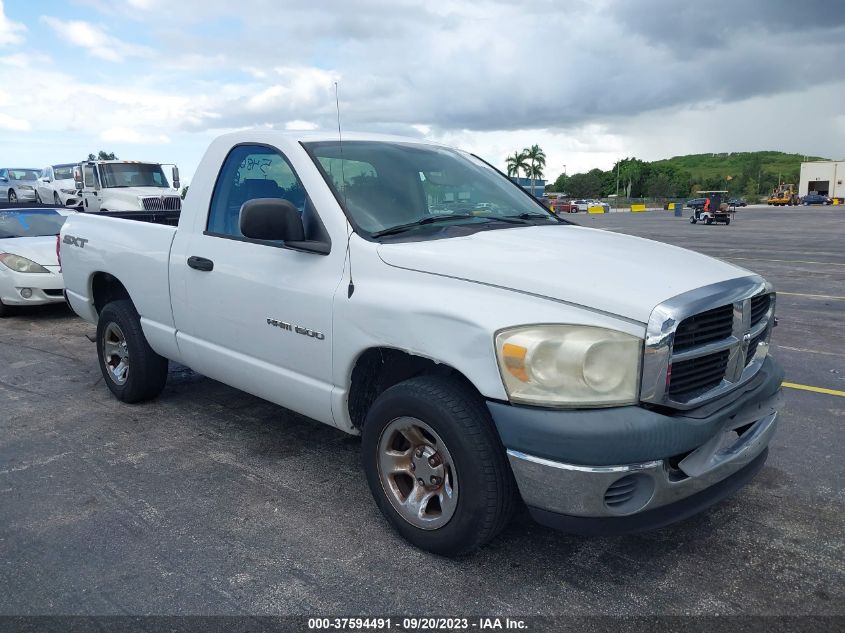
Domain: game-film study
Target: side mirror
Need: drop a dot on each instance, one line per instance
(4, 179)
(175, 178)
(46, 179)
(271, 219)
(77, 178)
(274, 219)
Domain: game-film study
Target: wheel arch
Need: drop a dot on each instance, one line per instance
(106, 288)
(376, 369)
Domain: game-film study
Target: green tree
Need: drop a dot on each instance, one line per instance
(517, 163)
(536, 162)
(103, 155)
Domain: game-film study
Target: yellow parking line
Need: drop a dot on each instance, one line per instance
(830, 392)
(784, 261)
(802, 294)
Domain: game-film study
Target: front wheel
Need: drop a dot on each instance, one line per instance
(727, 221)
(435, 465)
(131, 369)
(13, 197)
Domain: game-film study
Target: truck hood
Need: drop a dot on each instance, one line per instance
(41, 250)
(614, 273)
(127, 197)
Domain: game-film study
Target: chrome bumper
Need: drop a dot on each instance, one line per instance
(614, 491)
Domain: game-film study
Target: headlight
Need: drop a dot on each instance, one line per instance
(21, 264)
(569, 365)
(26, 187)
(68, 191)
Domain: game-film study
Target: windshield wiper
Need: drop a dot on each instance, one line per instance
(429, 219)
(539, 216)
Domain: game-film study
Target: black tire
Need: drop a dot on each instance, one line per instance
(727, 221)
(692, 220)
(147, 371)
(13, 197)
(4, 310)
(708, 221)
(486, 489)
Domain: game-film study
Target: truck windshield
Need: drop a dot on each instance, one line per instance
(30, 223)
(393, 187)
(132, 175)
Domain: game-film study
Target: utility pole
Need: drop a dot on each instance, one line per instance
(618, 162)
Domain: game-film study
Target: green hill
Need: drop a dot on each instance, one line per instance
(748, 174)
(706, 166)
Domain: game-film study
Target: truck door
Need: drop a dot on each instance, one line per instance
(43, 185)
(91, 188)
(256, 315)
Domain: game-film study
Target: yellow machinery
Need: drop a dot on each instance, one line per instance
(784, 195)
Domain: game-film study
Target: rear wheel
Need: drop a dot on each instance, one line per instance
(435, 465)
(708, 221)
(13, 197)
(131, 369)
(727, 220)
(692, 219)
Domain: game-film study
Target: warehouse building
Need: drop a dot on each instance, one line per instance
(824, 177)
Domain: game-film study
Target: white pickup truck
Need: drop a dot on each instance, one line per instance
(409, 293)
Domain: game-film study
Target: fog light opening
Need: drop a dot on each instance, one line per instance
(26, 293)
(629, 494)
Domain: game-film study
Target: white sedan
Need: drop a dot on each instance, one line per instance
(55, 185)
(29, 266)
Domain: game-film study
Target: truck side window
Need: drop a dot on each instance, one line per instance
(249, 172)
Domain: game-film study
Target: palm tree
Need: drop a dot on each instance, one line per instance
(517, 163)
(537, 159)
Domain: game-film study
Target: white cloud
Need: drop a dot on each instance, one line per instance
(95, 39)
(301, 125)
(10, 32)
(8, 122)
(130, 135)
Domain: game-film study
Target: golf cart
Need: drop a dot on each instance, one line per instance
(713, 210)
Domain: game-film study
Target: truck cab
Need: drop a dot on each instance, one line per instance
(121, 185)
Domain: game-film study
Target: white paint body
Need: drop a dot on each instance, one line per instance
(443, 299)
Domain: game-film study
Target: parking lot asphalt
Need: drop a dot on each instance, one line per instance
(211, 501)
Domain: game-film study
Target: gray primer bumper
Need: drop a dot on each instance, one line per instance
(558, 476)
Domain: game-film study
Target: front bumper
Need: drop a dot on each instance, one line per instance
(44, 287)
(684, 462)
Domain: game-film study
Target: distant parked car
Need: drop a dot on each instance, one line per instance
(696, 203)
(581, 205)
(737, 202)
(815, 198)
(17, 184)
(563, 206)
(29, 267)
(55, 186)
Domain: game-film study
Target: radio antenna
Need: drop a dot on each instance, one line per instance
(351, 288)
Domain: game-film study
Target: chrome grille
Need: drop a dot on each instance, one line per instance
(706, 327)
(161, 203)
(703, 343)
(692, 377)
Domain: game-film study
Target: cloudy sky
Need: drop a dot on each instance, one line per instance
(590, 81)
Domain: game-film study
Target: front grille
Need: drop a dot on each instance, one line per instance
(752, 345)
(759, 307)
(690, 378)
(165, 203)
(706, 327)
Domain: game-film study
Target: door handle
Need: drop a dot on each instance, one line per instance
(200, 263)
